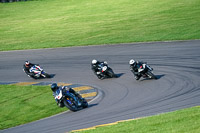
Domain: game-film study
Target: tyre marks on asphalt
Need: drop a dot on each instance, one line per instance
(85, 91)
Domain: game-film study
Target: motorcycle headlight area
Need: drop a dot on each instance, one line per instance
(104, 68)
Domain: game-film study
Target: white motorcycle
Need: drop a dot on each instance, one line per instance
(146, 71)
(106, 71)
(37, 72)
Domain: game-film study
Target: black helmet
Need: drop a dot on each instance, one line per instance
(54, 87)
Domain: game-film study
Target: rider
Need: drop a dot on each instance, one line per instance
(55, 87)
(134, 66)
(27, 67)
(95, 66)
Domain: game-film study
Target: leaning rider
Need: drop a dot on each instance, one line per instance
(55, 87)
(27, 67)
(134, 66)
(95, 68)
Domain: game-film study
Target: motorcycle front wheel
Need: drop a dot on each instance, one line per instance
(47, 75)
(84, 103)
(71, 107)
(110, 73)
(151, 75)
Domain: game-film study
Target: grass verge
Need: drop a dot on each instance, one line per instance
(23, 104)
(61, 23)
(182, 121)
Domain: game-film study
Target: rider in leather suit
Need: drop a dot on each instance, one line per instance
(134, 66)
(94, 67)
(54, 87)
(27, 67)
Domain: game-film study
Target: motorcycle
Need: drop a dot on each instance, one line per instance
(105, 71)
(146, 71)
(71, 101)
(37, 72)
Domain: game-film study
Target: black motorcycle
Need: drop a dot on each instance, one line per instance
(146, 71)
(105, 71)
(71, 101)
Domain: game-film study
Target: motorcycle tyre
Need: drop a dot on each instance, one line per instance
(110, 73)
(84, 103)
(33, 76)
(100, 77)
(74, 109)
(151, 75)
(136, 77)
(47, 75)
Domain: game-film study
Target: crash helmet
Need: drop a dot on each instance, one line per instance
(132, 62)
(27, 63)
(94, 61)
(54, 87)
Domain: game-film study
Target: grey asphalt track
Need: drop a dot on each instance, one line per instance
(176, 64)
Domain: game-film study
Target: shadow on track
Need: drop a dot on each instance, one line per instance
(119, 75)
(157, 77)
(91, 105)
(52, 75)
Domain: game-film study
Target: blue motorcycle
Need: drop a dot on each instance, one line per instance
(71, 101)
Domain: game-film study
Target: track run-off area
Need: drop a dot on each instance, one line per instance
(176, 65)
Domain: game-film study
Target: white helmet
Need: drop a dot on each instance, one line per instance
(131, 62)
(27, 62)
(94, 61)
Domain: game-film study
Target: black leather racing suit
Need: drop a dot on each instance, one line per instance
(134, 69)
(27, 68)
(95, 69)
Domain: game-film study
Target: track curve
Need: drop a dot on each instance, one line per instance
(176, 64)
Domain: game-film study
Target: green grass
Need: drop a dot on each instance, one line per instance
(182, 121)
(23, 104)
(61, 23)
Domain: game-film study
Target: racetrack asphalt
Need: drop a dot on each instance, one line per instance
(176, 65)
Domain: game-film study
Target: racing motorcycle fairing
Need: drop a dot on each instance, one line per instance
(146, 71)
(37, 72)
(71, 101)
(105, 71)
